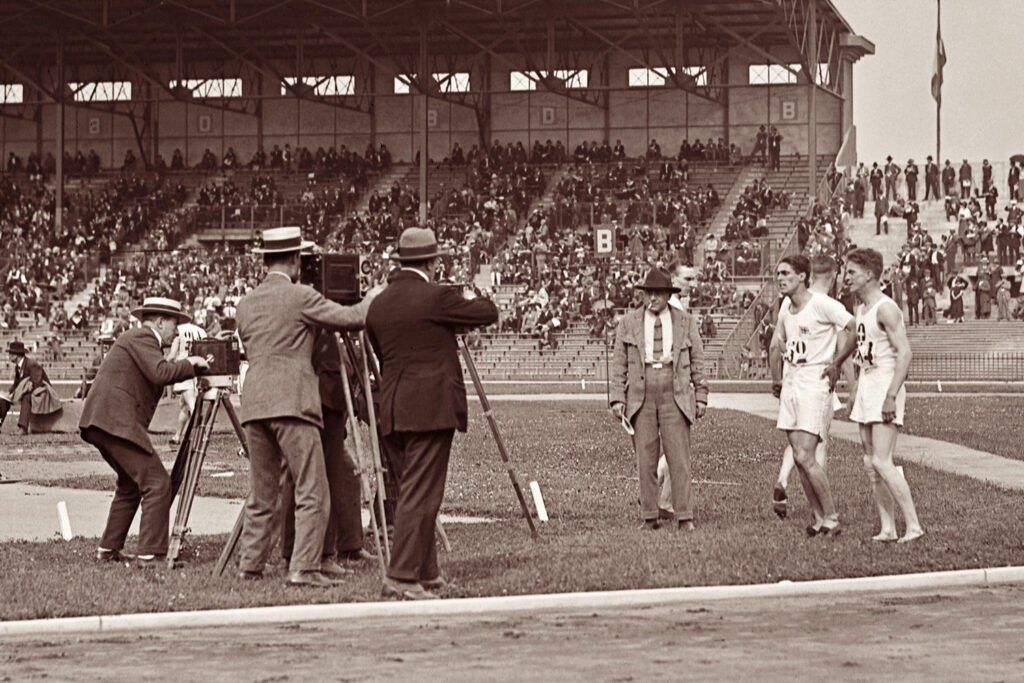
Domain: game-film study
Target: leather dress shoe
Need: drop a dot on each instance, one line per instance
(310, 579)
(651, 525)
(333, 570)
(436, 584)
(250, 575)
(686, 525)
(394, 589)
(151, 562)
(104, 555)
(359, 555)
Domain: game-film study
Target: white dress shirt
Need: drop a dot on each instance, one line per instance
(666, 336)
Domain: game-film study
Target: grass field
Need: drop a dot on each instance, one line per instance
(585, 467)
(986, 423)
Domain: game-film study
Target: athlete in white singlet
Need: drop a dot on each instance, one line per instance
(883, 356)
(823, 274)
(804, 371)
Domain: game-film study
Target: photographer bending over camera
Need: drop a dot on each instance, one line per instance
(116, 417)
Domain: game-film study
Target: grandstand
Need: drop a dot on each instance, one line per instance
(295, 111)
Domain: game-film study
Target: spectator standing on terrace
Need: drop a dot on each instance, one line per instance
(1003, 299)
(658, 385)
(910, 173)
(1013, 179)
(948, 180)
(966, 176)
(883, 356)
(931, 180)
(876, 177)
(774, 149)
(892, 174)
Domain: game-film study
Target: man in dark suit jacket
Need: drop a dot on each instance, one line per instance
(281, 408)
(116, 417)
(28, 374)
(412, 327)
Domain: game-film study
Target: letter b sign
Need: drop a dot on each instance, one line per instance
(604, 241)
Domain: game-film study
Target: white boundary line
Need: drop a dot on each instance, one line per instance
(516, 603)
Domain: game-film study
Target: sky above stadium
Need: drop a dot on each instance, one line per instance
(982, 92)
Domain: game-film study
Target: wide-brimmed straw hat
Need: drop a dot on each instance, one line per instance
(658, 279)
(283, 240)
(417, 244)
(158, 305)
(17, 346)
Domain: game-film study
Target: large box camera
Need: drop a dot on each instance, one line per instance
(339, 277)
(225, 352)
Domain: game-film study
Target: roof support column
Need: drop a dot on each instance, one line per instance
(424, 80)
(812, 103)
(59, 179)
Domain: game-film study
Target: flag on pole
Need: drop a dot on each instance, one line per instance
(940, 61)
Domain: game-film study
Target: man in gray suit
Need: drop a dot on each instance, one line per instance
(281, 408)
(657, 383)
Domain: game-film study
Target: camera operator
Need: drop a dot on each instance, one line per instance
(343, 539)
(412, 327)
(281, 408)
(116, 417)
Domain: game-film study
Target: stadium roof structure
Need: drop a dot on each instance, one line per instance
(48, 43)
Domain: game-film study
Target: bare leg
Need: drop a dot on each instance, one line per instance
(813, 478)
(787, 466)
(883, 437)
(883, 499)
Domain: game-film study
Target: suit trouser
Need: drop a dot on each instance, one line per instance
(661, 426)
(24, 417)
(420, 462)
(931, 189)
(140, 477)
(345, 523)
(275, 443)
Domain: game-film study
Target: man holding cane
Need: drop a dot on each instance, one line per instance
(412, 327)
(657, 385)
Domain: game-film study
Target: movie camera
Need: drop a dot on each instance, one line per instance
(339, 277)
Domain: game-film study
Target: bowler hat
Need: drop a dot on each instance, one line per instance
(17, 347)
(417, 244)
(658, 279)
(158, 305)
(282, 241)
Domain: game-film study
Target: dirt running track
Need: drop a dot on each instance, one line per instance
(953, 635)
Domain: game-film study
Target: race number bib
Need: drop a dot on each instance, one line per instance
(865, 356)
(796, 351)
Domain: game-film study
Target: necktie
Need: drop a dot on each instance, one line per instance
(657, 348)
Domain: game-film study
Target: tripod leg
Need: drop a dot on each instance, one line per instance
(486, 405)
(374, 442)
(225, 401)
(229, 547)
(191, 481)
(181, 459)
(443, 535)
(383, 554)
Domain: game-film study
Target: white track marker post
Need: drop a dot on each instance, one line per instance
(938, 384)
(64, 520)
(538, 502)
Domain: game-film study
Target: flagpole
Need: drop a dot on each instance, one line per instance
(938, 100)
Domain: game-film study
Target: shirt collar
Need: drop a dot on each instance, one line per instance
(417, 271)
(277, 272)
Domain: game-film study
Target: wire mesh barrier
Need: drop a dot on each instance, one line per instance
(930, 367)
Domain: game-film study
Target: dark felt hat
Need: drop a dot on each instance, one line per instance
(417, 244)
(658, 279)
(17, 347)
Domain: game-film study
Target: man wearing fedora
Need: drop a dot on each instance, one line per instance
(28, 374)
(657, 383)
(116, 417)
(412, 327)
(281, 408)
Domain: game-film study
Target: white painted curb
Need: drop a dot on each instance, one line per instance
(515, 603)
